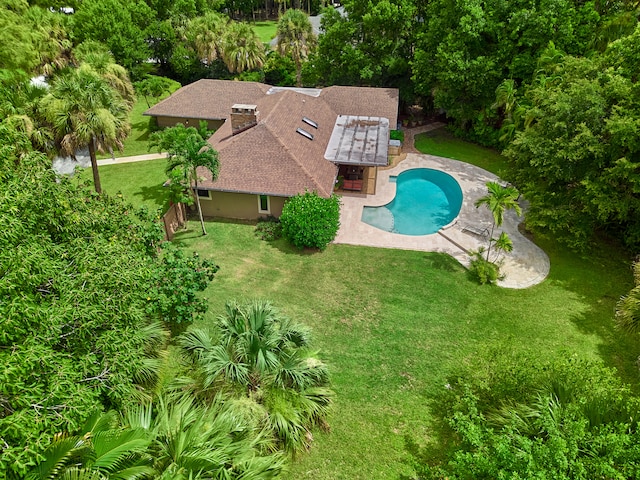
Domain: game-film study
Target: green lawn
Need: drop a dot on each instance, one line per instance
(266, 30)
(442, 143)
(140, 182)
(137, 141)
(394, 324)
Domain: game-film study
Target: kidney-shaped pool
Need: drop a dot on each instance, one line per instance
(426, 200)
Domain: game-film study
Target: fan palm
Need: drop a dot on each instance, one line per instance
(18, 107)
(51, 40)
(205, 36)
(115, 75)
(242, 49)
(82, 109)
(267, 356)
(295, 38)
(191, 440)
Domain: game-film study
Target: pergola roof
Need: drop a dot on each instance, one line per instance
(359, 140)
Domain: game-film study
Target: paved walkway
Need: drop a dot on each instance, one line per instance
(525, 266)
(133, 158)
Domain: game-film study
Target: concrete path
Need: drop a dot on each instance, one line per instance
(525, 266)
(133, 158)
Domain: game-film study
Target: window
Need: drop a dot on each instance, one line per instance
(304, 133)
(308, 121)
(264, 205)
(204, 194)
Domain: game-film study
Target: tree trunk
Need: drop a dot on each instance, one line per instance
(298, 73)
(493, 227)
(195, 192)
(94, 166)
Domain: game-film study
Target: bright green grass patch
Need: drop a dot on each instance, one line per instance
(137, 142)
(442, 143)
(139, 182)
(393, 325)
(266, 30)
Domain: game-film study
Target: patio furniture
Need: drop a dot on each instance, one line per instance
(475, 230)
(355, 185)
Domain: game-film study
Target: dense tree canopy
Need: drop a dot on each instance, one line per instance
(370, 45)
(78, 273)
(576, 159)
(469, 47)
(120, 25)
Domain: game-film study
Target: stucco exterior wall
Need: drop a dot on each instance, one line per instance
(164, 122)
(238, 205)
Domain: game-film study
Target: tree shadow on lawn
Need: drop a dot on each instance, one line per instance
(599, 280)
(156, 195)
(285, 247)
(145, 126)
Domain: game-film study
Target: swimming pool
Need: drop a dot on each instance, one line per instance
(426, 200)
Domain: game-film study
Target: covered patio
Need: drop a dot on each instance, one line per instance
(358, 146)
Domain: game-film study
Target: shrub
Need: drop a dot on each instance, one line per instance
(309, 220)
(482, 270)
(269, 229)
(514, 417)
(396, 135)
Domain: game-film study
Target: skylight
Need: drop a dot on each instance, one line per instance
(304, 133)
(308, 121)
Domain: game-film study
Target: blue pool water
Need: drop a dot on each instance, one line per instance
(426, 200)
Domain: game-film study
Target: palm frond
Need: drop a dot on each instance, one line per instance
(58, 456)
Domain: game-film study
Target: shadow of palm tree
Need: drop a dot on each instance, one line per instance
(155, 195)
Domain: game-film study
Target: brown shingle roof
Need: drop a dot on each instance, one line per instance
(208, 99)
(363, 101)
(272, 158)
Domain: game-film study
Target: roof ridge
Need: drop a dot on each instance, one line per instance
(277, 137)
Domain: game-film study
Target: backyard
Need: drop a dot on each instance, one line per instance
(394, 325)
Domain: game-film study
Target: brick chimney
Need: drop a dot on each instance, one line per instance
(243, 117)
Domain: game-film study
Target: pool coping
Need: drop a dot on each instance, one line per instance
(525, 266)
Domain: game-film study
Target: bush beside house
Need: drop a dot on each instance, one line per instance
(309, 220)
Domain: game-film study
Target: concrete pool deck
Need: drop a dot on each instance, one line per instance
(525, 266)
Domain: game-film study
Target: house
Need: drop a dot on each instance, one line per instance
(276, 142)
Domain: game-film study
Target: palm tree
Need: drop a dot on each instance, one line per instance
(171, 440)
(18, 107)
(52, 42)
(267, 358)
(498, 200)
(205, 36)
(628, 307)
(296, 38)
(82, 109)
(100, 450)
(103, 63)
(242, 49)
(197, 441)
(187, 151)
